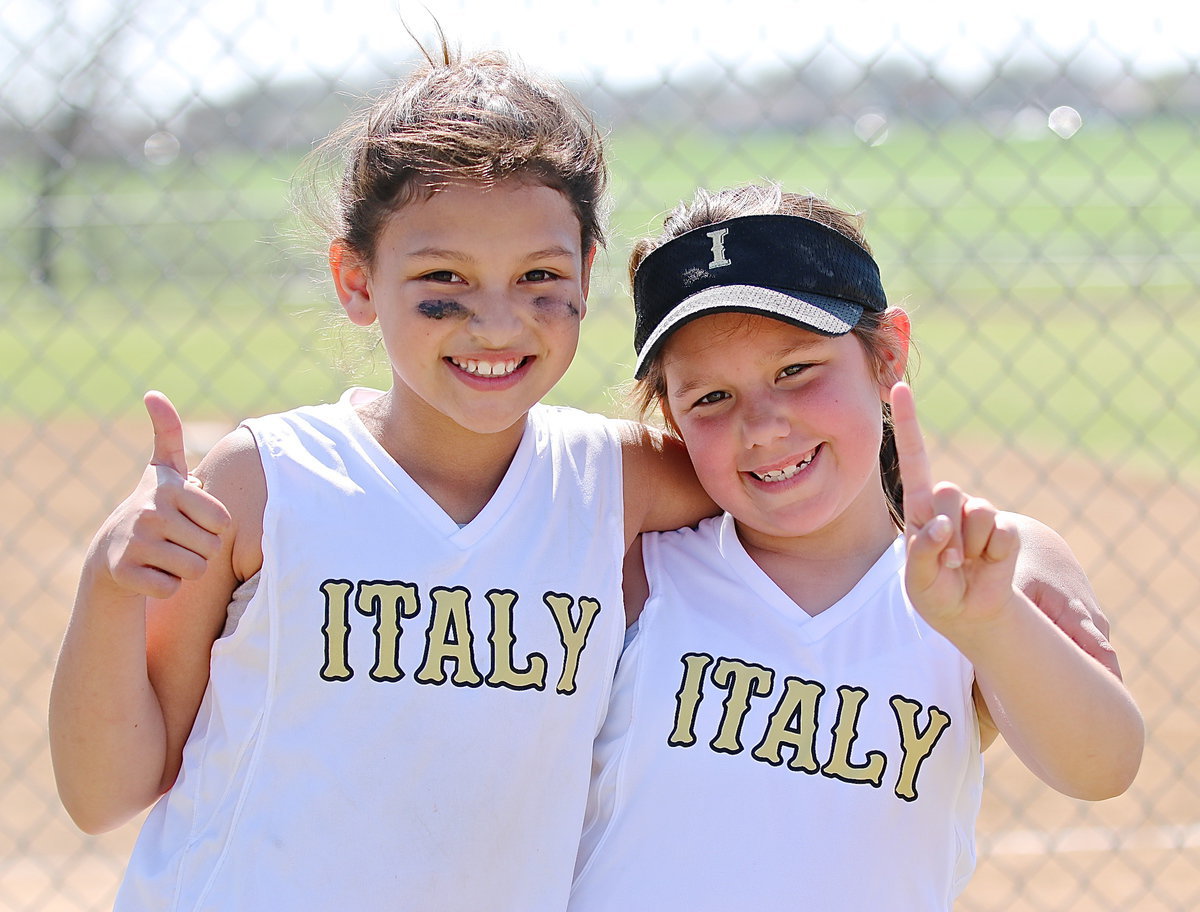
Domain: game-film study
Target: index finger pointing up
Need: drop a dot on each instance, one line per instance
(915, 472)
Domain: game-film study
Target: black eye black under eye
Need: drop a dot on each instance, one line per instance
(440, 310)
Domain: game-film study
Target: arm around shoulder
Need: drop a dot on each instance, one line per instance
(661, 489)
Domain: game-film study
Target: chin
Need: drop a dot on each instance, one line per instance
(494, 423)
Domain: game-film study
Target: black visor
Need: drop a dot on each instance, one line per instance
(782, 266)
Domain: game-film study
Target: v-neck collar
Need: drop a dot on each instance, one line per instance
(808, 627)
(418, 499)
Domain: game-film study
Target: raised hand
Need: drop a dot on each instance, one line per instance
(169, 527)
(961, 550)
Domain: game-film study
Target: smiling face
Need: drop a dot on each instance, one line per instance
(479, 292)
(783, 425)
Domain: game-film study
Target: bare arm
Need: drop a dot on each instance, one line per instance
(661, 490)
(634, 586)
(151, 600)
(1049, 575)
(1069, 719)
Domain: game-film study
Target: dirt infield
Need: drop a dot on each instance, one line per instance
(1038, 850)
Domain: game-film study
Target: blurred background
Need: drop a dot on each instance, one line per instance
(1031, 182)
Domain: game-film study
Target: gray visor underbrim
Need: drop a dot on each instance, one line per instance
(828, 316)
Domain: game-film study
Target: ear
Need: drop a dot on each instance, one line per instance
(898, 332)
(589, 258)
(351, 281)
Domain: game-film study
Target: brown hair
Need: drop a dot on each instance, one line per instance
(484, 119)
(873, 329)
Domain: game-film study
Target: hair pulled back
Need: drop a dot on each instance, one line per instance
(484, 119)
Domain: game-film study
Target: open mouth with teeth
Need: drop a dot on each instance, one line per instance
(783, 474)
(477, 368)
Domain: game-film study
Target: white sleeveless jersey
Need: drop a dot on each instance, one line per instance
(403, 717)
(755, 757)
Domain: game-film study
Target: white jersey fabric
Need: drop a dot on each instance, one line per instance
(755, 757)
(403, 716)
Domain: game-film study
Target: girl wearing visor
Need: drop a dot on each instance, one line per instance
(810, 678)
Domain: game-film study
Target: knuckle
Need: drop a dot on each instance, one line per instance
(193, 564)
(163, 587)
(948, 490)
(980, 506)
(209, 547)
(193, 570)
(148, 526)
(124, 576)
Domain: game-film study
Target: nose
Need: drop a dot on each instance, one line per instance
(763, 422)
(496, 320)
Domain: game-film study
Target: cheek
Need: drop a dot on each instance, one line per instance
(848, 401)
(859, 420)
(551, 309)
(436, 309)
(711, 452)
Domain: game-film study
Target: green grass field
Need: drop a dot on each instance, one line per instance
(1051, 282)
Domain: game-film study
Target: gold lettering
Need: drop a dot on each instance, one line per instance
(743, 681)
(688, 697)
(449, 638)
(915, 745)
(845, 731)
(336, 630)
(504, 672)
(572, 636)
(388, 601)
(793, 722)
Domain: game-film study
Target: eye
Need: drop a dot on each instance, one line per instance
(713, 397)
(793, 370)
(539, 275)
(442, 275)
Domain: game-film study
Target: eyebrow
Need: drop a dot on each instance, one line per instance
(445, 253)
(553, 251)
(439, 253)
(685, 388)
(814, 340)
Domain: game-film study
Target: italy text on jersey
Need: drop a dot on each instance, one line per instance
(792, 725)
(450, 633)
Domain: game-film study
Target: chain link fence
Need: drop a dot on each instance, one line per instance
(1032, 191)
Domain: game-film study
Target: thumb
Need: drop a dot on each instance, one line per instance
(924, 554)
(168, 433)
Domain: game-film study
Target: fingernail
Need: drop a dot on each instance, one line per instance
(193, 480)
(939, 528)
(952, 559)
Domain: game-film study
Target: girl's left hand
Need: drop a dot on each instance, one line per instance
(961, 550)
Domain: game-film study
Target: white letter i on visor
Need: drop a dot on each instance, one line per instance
(718, 248)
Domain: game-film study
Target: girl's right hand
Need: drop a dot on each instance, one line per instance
(168, 528)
